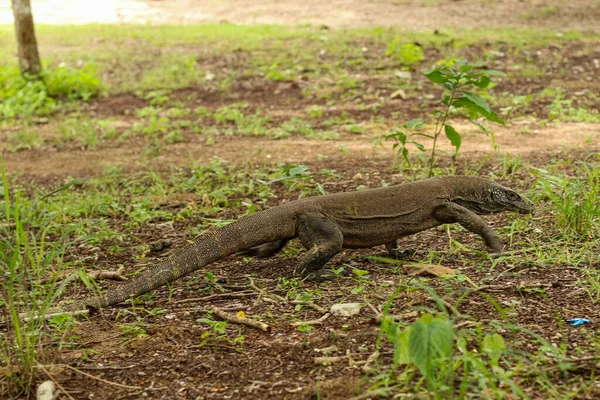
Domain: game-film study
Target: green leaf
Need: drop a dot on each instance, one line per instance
(477, 100)
(453, 136)
(430, 340)
(294, 170)
(414, 123)
(491, 72)
(494, 346)
(436, 76)
(477, 124)
(466, 68)
(475, 110)
(401, 347)
(482, 82)
(418, 145)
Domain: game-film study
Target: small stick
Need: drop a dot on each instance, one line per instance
(40, 366)
(93, 376)
(367, 368)
(114, 275)
(310, 304)
(26, 318)
(465, 324)
(275, 296)
(329, 360)
(237, 320)
(312, 322)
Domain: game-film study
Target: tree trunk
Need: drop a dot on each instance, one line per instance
(29, 58)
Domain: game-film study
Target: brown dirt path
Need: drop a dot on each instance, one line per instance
(47, 163)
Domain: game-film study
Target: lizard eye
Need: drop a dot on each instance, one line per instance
(512, 196)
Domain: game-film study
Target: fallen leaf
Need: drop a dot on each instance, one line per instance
(240, 314)
(428, 269)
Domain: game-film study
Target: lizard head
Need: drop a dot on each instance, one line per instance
(501, 198)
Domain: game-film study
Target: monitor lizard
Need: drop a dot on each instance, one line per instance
(326, 224)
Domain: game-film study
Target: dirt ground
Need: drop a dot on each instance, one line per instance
(580, 15)
(174, 360)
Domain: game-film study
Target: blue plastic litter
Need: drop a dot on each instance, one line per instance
(578, 321)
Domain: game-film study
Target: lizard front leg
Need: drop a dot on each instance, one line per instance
(392, 249)
(322, 238)
(451, 212)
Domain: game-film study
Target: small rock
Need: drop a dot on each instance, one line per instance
(497, 54)
(46, 391)
(209, 76)
(596, 63)
(357, 177)
(345, 309)
(399, 94)
(429, 97)
(404, 75)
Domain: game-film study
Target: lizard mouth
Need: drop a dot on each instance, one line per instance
(526, 208)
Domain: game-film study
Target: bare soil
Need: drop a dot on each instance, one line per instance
(580, 15)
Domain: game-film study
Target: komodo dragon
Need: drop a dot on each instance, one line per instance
(326, 224)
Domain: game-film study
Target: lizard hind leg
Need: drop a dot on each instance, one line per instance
(265, 250)
(394, 252)
(322, 238)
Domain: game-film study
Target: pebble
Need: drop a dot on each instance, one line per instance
(345, 309)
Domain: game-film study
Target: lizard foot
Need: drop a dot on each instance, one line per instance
(402, 254)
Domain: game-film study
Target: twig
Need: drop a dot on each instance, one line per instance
(367, 368)
(114, 275)
(503, 273)
(312, 322)
(26, 318)
(329, 360)
(96, 368)
(374, 393)
(488, 287)
(40, 366)
(310, 304)
(262, 291)
(95, 377)
(237, 320)
(465, 324)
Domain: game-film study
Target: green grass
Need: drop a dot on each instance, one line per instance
(147, 58)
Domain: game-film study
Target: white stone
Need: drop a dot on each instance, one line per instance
(345, 309)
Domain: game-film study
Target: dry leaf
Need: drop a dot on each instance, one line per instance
(240, 314)
(428, 269)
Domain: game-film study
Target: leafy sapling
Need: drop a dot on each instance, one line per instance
(456, 101)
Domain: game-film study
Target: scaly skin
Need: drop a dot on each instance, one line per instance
(326, 224)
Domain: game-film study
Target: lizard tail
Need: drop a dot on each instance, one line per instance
(250, 231)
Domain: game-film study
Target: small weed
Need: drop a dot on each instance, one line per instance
(454, 79)
(21, 96)
(575, 200)
(563, 110)
(31, 257)
(406, 54)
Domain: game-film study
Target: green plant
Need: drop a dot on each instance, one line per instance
(405, 53)
(31, 261)
(25, 96)
(574, 199)
(455, 80)
(564, 110)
